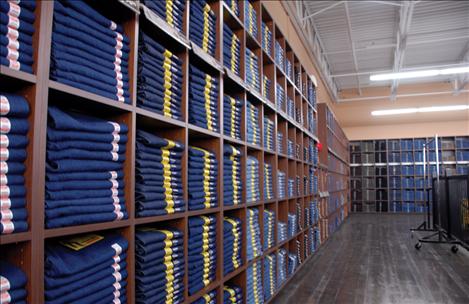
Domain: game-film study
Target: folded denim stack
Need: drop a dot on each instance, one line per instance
(297, 151)
(311, 93)
(231, 50)
(299, 116)
(86, 269)
(84, 169)
(252, 70)
(254, 290)
(232, 184)
(314, 185)
(252, 126)
(307, 244)
(202, 179)
(232, 110)
(172, 11)
(158, 175)
(279, 56)
(280, 97)
(101, 69)
(13, 145)
(159, 80)
(315, 154)
(203, 99)
(202, 259)
(13, 284)
(311, 121)
(282, 232)
(305, 186)
(297, 186)
(281, 179)
(270, 278)
(250, 19)
(279, 142)
(269, 228)
(208, 298)
(298, 251)
(202, 26)
(316, 239)
(288, 69)
(232, 295)
(159, 266)
(314, 208)
(305, 154)
(292, 263)
(290, 148)
(233, 5)
(299, 217)
(290, 107)
(232, 244)
(307, 219)
(282, 266)
(266, 84)
(16, 34)
(253, 234)
(298, 78)
(291, 187)
(268, 183)
(269, 127)
(292, 225)
(266, 39)
(252, 180)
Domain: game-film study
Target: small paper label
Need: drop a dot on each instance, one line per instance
(80, 242)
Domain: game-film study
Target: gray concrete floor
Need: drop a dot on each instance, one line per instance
(372, 259)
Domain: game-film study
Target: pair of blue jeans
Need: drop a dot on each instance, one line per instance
(232, 295)
(13, 281)
(209, 298)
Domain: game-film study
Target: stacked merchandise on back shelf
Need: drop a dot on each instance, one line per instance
(311, 93)
(88, 269)
(298, 78)
(292, 225)
(202, 252)
(208, 298)
(307, 219)
(84, 169)
(266, 39)
(252, 70)
(282, 266)
(269, 228)
(103, 69)
(289, 68)
(231, 50)
(202, 26)
(290, 108)
(291, 187)
(232, 116)
(159, 78)
(17, 30)
(299, 116)
(462, 155)
(280, 97)
(281, 180)
(292, 263)
(314, 185)
(307, 244)
(297, 151)
(252, 180)
(279, 142)
(159, 265)
(232, 244)
(282, 232)
(203, 99)
(312, 123)
(315, 236)
(268, 183)
(298, 251)
(290, 148)
(232, 295)
(232, 184)
(252, 126)
(13, 282)
(269, 127)
(171, 11)
(250, 19)
(279, 55)
(233, 5)
(254, 289)
(270, 278)
(253, 234)
(13, 147)
(202, 179)
(314, 210)
(158, 175)
(266, 85)
(299, 217)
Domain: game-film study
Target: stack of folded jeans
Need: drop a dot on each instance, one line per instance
(202, 26)
(279, 56)
(281, 179)
(266, 39)
(231, 50)
(282, 232)
(270, 278)
(232, 110)
(13, 144)
(290, 108)
(254, 290)
(268, 183)
(307, 220)
(298, 78)
(84, 169)
(232, 244)
(253, 129)
(307, 244)
(172, 11)
(316, 239)
(13, 284)
(269, 127)
(299, 116)
(305, 154)
(289, 69)
(279, 142)
(315, 154)
(311, 93)
(292, 225)
(305, 185)
(232, 184)
(252, 70)
(253, 234)
(202, 259)
(203, 99)
(297, 186)
(159, 265)
(252, 180)
(298, 251)
(250, 19)
(269, 228)
(266, 83)
(203, 179)
(280, 97)
(314, 185)
(86, 269)
(290, 148)
(16, 34)
(159, 80)
(232, 295)
(282, 266)
(297, 151)
(208, 298)
(158, 175)
(233, 5)
(311, 121)
(299, 216)
(101, 69)
(292, 263)
(314, 208)
(291, 187)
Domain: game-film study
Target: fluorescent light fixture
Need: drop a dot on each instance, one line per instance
(420, 110)
(419, 74)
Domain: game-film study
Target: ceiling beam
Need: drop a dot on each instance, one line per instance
(382, 2)
(461, 80)
(352, 44)
(383, 97)
(321, 10)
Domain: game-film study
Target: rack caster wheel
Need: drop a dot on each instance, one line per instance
(418, 246)
(454, 249)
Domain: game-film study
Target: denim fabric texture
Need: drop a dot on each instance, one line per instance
(266, 85)
(203, 99)
(203, 176)
(252, 179)
(253, 135)
(232, 295)
(270, 278)
(209, 298)
(282, 233)
(232, 108)
(282, 266)
(203, 36)
(292, 225)
(290, 107)
(269, 229)
(254, 288)
(231, 50)
(232, 184)
(252, 70)
(253, 237)
(269, 127)
(13, 283)
(171, 11)
(280, 142)
(232, 244)
(250, 19)
(268, 182)
(292, 263)
(266, 38)
(279, 55)
(289, 68)
(280, 97)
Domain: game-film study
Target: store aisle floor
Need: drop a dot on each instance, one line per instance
(372, 259)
